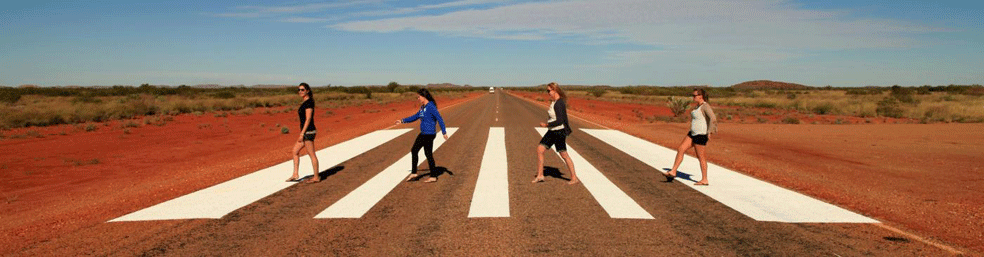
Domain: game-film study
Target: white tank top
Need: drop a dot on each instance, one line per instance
(553, 117)
(698, 124)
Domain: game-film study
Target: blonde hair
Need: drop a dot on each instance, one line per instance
(553, 86)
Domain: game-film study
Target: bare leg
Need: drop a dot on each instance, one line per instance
(702, 157)
(296, 152)
(539, 163)
(570, 166)
(314, 161)
(682, 149)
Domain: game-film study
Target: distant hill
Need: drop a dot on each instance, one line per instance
(768, 84)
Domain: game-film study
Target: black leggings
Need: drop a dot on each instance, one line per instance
(427, 142)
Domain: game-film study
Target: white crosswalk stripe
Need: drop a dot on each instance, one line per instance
(219, 200)
(363, 198)
(754, 198)
(491, 198)
(618, 204)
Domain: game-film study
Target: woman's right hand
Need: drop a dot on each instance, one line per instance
(543, 124)
(398, 122)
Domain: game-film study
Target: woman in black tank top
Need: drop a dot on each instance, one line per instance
(305, 139)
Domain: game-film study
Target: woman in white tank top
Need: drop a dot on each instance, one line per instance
(702, 124)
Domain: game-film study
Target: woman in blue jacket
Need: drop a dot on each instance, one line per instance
(428, 116)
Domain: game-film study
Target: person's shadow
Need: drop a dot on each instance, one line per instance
(436, 172)
(553, 172)
(325, 174)
(680, 174)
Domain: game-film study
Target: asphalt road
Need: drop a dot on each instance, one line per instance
(550, 218)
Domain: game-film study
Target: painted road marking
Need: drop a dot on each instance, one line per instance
(491, 198)
(219, 200)
(754, 198)
(363, 198)
(618, 204)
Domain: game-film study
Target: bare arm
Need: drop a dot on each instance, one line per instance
(307, 122)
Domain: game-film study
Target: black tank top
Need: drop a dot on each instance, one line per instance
(301, 114)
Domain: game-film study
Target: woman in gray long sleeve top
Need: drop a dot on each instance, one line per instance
(556, 136)
(703, 123)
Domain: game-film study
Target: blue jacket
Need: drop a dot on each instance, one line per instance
(428, 115)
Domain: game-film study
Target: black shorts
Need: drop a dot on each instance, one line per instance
(309, 136)
(555, 138)
(697, 139)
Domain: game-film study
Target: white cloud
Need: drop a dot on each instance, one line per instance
(306, 20)
(771, 24)
(315, 7)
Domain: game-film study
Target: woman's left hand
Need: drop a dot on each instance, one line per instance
(445, 136)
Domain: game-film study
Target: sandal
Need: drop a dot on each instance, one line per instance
(669, 178)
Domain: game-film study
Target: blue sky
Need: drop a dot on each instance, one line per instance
(492, 42)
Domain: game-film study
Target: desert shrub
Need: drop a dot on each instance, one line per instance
(824, 108)
(597, 92)
(284, 130)
(863, 91)
(392, 86)
(91, 127)
(904, 95)
(677, 105)
(86, 99)
(937, 113)
(360, 90)
(9, 95)
(764, 104)
(889, 107)
(790, 120)
(791, 96)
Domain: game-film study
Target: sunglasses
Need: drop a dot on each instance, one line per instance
(301, 90)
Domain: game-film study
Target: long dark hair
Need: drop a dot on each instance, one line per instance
(307, 89)
(427, 94)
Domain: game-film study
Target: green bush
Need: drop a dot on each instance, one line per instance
(9, 95)
(224, 95)
(677, 105)
(284, 130)
(825, 108)
(889, 107)
(597, 92)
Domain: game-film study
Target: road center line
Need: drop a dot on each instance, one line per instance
(491, 198)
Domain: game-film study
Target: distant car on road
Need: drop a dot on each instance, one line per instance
(491, 90)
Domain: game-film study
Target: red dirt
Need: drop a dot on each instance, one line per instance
(70, 179)
(923, 178)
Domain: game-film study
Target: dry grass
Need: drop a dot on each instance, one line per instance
(41, 110)
(927, 108)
